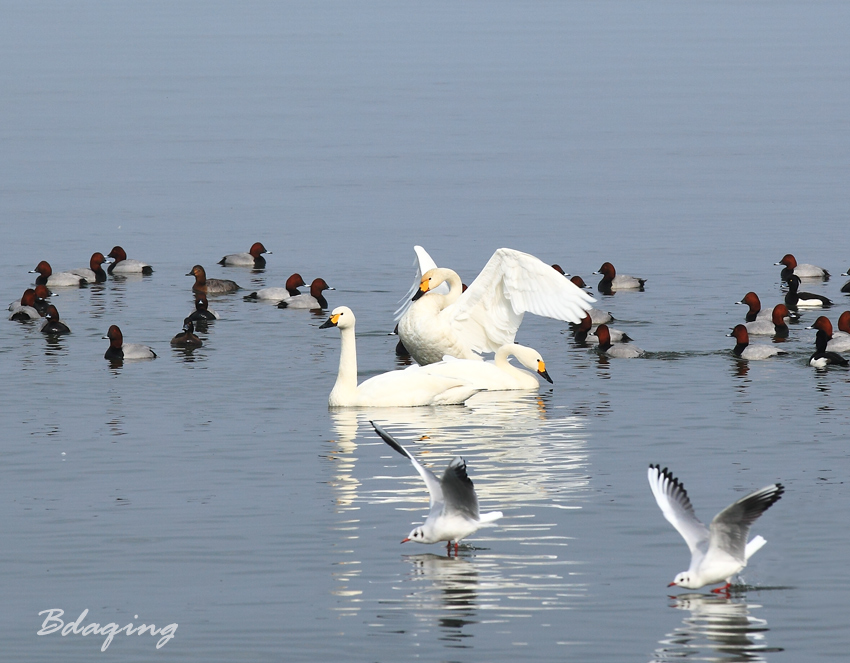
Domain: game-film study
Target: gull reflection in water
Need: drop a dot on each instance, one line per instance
(717, 629)
(445, 586)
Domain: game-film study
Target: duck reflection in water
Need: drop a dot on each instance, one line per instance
(716, 629)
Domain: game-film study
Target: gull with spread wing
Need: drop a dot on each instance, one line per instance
(454, 505)
(721, 550)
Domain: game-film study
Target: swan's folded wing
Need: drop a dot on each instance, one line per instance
(511, 284)
(423, 263)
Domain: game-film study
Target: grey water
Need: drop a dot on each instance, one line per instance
(693, 144)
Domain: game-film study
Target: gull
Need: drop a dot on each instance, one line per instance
(454, 505)
(721, 550)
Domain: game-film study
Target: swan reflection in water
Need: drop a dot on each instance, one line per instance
(717, 629)
(519, 453)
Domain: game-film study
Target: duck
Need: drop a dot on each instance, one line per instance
(277, 294)
(776, 326)
(253, 258)
(119, 350)
(41, 303)
(202, 312)
(846, 287)
(621, 350)
(597, 316)
(486, 316)
(745, 350)
(754, 312)
(823, 357)
(206, 286)
(187, 338)
(803, 271)
(312, 301)
(795, 299)
(611, 281)
(94, 273)
(499, 374)
(411, 387)
(840, 341)
(60, 280)
(51, 324)
(585, 328)
(123, 265)
(24, 310)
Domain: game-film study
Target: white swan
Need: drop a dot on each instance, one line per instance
(496, 375)
(423, 263)
(487, 315)
(408, 388)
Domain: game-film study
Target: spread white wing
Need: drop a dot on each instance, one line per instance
(511, 284)
(676, 506)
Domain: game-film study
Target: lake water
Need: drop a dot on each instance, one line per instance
(693, 145)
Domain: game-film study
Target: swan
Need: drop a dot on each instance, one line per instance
(496, 375)
(408, 388)
(486, 315)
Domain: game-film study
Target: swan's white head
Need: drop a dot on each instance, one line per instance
(341, 316)
(432, 279)
(530, 358)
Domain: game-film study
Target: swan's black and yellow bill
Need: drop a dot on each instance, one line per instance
(332, 321)
(541, 371)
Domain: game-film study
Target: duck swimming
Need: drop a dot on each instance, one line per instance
(253, 258)
(313, 300)
(123, 265)
(119, 350)
(206, 286)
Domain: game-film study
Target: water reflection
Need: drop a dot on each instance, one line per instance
(716, 629)
(526, 458)
(447, 586)
(518, 454)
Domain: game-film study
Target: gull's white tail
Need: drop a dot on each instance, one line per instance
(754, 546)
(490, 517)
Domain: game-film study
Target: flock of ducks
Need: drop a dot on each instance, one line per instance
(446, 327)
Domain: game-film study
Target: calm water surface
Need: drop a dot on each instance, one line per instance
(691, 145)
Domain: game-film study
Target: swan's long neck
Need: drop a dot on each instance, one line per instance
(346, 379)
(455, 291)
(502, 363)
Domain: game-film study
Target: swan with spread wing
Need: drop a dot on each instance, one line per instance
(486, 315)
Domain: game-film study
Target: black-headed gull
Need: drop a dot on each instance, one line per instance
(454, 505)
(721, 550)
